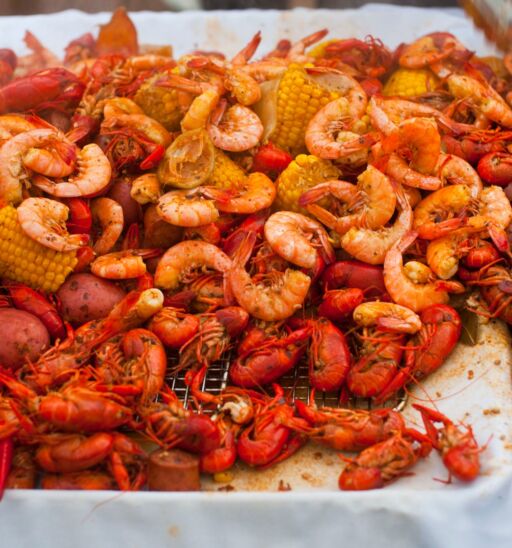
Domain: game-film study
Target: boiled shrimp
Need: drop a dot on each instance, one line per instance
(493, 209)
(59, 162)
(297, 50)
(276, 298)
(255, 193)
(93, 176)
(420, 138)
(146, 189)
(370, 204)
(426, 51)
(44, 221)
(321, 135)
(121, 265)
(239, 129)
(152, 129)
(455, 170)
(389, 316)
(441, 211)
(480, 94)
(401, 288)
(13, 124)
(370, 245)
(188, 208)
(108, 214)
(297, 238)
(120, 105)
(178, 260)
(12, 169)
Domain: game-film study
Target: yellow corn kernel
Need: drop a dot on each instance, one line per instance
(226, 173)
(26, 261)
(160, 103)
(410, 82)
(299, 98)
(304, 172)
(318, 51)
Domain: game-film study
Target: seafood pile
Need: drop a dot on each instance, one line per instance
(331, 202)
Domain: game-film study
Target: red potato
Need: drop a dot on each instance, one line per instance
(120, 192)
(24, 338)
(85, 297)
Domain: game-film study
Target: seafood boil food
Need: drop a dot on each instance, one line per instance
(331, 203)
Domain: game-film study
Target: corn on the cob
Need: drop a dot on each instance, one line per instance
(26, 261)
(410, 82)
(299, 98)
(304, 172)
(319, 50)
(160, 103)
(226, 173)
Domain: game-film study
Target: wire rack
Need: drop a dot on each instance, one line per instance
(295, 384)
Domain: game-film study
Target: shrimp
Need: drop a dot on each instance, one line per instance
(146, 189)
(188, 208)
(370, 204)
(276, 298)
(493, 209)
(239, 129)
(386, 113)
(420, 139)
(418, 272)
(12, 170)
(427, 50)
(401, 288)
(321, 135)
(443, 254)
(243, 86)
(13, 124)
(51, 163)
(44, 221)
(122, 265)
(441, 211)
(199, 111)
(152, 129)
(484, 98)
(297, 50)
(109, 215)
(388, 316)
(453, 169)
(296, 238)
(370, 245)
(120, 105)
(178, 260)
(255, 193)
(93, 176)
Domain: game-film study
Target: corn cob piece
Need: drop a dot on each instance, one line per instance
(226, 173)
(304, 172)
(318, 51)
(410, 82)
(160, 103)
(299, 98)
(26, 261)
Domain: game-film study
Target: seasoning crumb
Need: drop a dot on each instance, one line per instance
(502, 437)
(284, 486)
(318, 456)
(438, 394)
(491, 411)
(306, 476)
(497, 362)
(471, 374)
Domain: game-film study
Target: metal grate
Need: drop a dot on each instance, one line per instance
(295, 383)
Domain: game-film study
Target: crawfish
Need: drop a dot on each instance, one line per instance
(269, 439)
(459, 450)
(213, 338)
(383, 462)
(379, 357)
(169, 424)
(428, 349)
(356, 274)
(75, 408)
(57, 364)
(64, 453)
(348, 429)
(264, 355)
(174, 327)
(23, 470)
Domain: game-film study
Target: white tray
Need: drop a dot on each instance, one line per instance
(416, 511)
